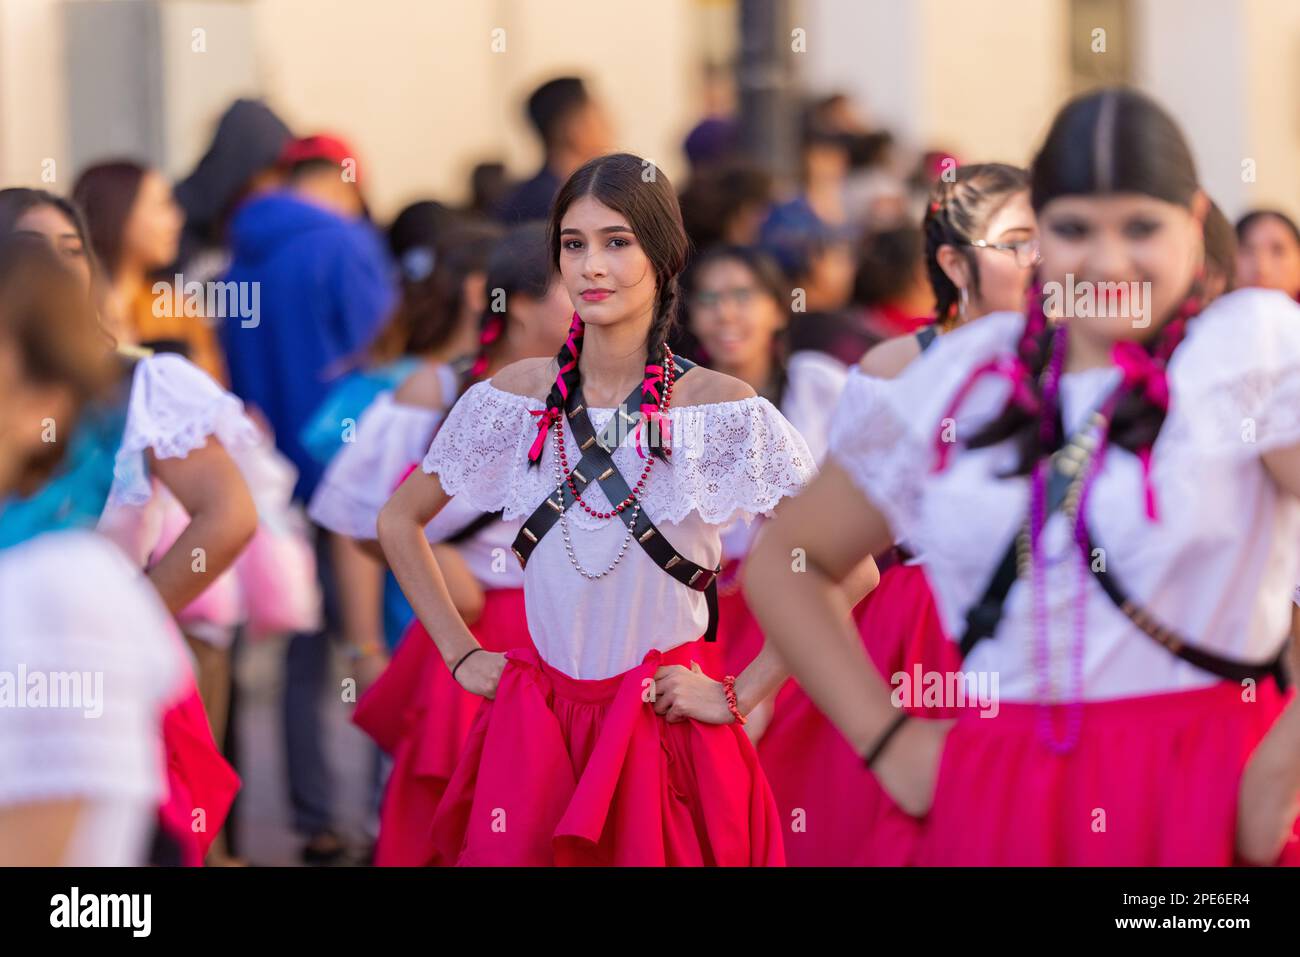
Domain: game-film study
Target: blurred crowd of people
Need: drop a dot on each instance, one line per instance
(789, 285)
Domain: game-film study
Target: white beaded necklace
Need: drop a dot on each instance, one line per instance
(560, 481)
(564, 519)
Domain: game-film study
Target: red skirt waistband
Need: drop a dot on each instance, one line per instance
(603, 690)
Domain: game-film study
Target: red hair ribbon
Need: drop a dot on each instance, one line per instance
(545, 418)
(491, 333)
(1145, 375)
(1010, 368)
(573, 348)
(654, 377)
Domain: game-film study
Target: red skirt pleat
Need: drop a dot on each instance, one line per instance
(198, 779)
(835, 812)
(421, 716)
(561, 771)
(1152, 782)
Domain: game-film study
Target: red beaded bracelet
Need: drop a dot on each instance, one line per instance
(729, 685)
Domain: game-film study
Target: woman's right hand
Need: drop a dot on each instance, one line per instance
(908, 768)
(481, 672)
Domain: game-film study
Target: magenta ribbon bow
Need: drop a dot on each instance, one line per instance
(1142, 372)
(650, 410)
(1010, 368)
(545, 418)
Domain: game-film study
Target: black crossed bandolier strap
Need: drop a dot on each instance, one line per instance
(1176, 645)
(983, 618)
(467, 532)
(597, 465)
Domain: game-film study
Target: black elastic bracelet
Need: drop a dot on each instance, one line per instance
(884, 738)
(462, 660)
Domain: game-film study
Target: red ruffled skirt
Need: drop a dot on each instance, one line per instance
(561, 771)
(421, 716)
(198, 779)
(838, 814)
(1152, 781)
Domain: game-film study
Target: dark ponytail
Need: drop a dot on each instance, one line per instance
(433, 290)
(959, 212)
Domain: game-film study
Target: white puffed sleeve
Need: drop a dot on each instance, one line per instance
(815, 382)
(730, 460)
(173, 409)
(77, 619)
(1235, 380)
(481, 452)
(390, 439)
(885, 432)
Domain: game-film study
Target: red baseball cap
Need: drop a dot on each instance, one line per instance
(322, 146)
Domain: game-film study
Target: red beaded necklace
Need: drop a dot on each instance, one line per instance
(664, 403)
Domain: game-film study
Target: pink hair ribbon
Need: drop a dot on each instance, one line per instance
(1010, 368)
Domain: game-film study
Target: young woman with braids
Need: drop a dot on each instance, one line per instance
(1140, 472)
(603, 744)
(414, 711)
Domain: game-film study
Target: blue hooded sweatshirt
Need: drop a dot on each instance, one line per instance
(326, 288)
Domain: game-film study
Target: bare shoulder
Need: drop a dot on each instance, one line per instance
(703, 386)
(532, 377)
(890, 357)
(423, 388)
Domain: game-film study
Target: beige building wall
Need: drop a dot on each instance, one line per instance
(32, 95)
(1191, 55)
(978, 77)
(427, 89)
(423, 93)
(417, 85)
(1271, 107)
(993, 74)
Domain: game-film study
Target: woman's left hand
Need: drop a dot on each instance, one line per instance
(682, 693)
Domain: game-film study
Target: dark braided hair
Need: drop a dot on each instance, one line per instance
(958, 212)
(641, 192)
(1114, 140)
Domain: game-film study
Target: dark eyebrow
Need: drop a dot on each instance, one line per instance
(603, 229)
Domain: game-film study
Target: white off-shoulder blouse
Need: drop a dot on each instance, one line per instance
(729, 460)
(390, 437)
(173, 409)
(1219, 564)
